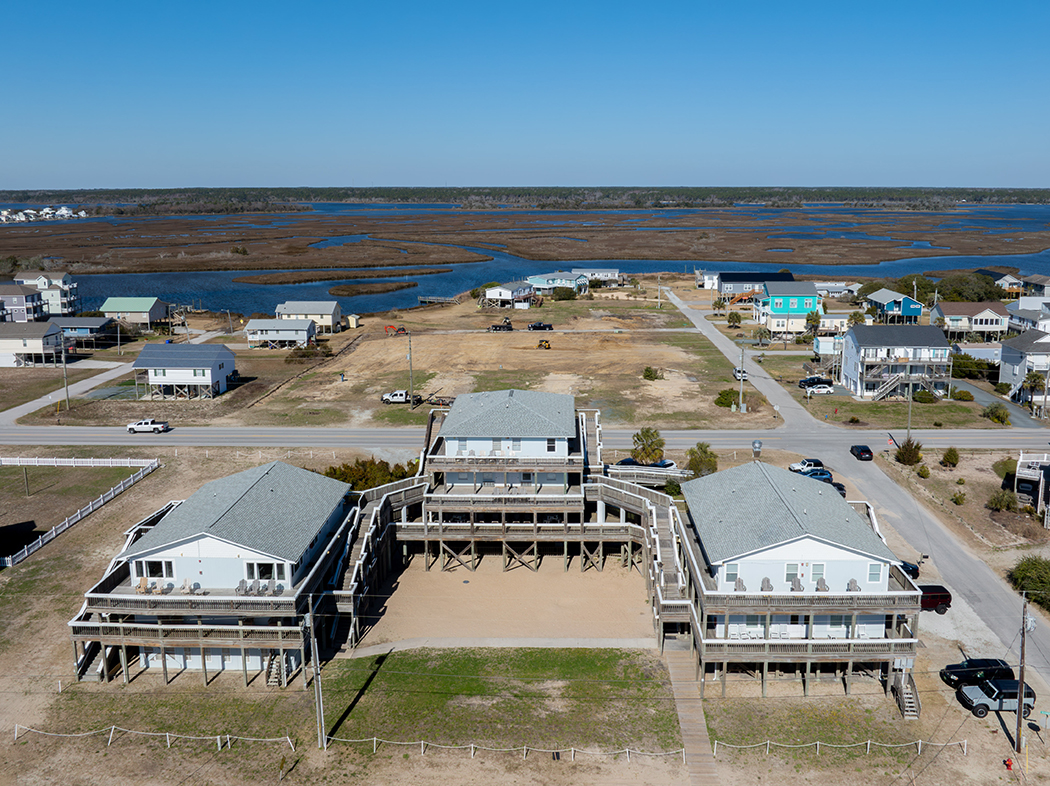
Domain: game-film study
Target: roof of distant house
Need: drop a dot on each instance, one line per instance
(966, 309)
(182, 355)
(308, 307)
(755, 277)
(27, 329)
(92, 323)
(995, 275)
(125, 304)
(279, 324)
(1029, 340)
(18, 289)
(1037, 278)
(511, 413)
(755, 506)
(513, 285)
(275, 509)
(899, 336)
(791, 289)
(885, 296)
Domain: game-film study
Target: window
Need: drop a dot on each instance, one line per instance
(551, 445)
(778, 303)
(160, 372)
(462, 444)
(732, 571)
(838, 621)
(809, 303)
(817, 571)
(198, 372)
(753, 620)
(515, 443)
(155, 569)
(791, 572)
(794, 302)
(497, 444)
(264, 571)
(874, 572)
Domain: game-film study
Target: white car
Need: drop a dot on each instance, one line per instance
(739, 373)
(809, 463)
(820, 390)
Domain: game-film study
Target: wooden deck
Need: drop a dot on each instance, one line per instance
(703, 770)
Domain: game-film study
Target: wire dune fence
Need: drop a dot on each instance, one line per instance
(524, 750)
(221, 740)
(147, 466)
(867, 745)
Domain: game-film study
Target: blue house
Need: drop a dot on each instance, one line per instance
(893, 308)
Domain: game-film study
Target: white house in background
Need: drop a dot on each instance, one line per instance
(220, 580)
(834, 322)
(1021, 354)
(513, 294)
(988, 318)
(57, 289)
(1009, 283)
(30, 344)
(990, 350)
(184, 371)
(144, 312)
(325, 313)
(891, 360)
(794, 573)
(22, 304)
(1033, 315)
(609, 276)
(836, 288)
(547, 283)
(280, 333)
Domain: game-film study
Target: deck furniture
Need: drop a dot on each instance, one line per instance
(241, 588)
(141, 588)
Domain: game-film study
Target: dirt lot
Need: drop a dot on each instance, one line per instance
(599, 350)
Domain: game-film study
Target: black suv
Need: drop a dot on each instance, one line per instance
(810, 382)
(974, 671)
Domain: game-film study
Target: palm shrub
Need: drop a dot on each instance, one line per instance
(648, 446)
(1003, 499)
(909, 452)
(652, 374)
(997, 413)
(701, 460)
(672, 488)
(950, 458)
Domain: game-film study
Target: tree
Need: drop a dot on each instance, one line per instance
(564, 293)
(763, 335)
(950, 458)
(1033, 381)
(734, 319)
(909, 452)
(813, 322)
(701, 460)
(997, 413)
(718, 305)
(648, 446)
(856, 318)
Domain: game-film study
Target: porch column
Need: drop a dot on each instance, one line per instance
(853, 626)
(601, 511)
(849, 675)
(765, 675)
(164, 663)
(204, 665)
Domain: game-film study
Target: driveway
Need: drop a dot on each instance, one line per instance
(1019, 416)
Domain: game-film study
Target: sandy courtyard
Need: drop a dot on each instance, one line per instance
(519, 604)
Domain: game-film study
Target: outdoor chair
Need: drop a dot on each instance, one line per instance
(271, 585)
(853, 586)
(767, 585)
(241, 588)
(739, 585)
(255, 588)
(141, 588)
(796, 585)
(187, 588)
(822, 586)
(278, 590)
(733, 632)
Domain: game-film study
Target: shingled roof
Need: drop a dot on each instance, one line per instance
(755, 506)
(511, 413)
(182, 355)
(275, 509)
(899, 336)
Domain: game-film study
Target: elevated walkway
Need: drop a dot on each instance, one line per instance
(700, 761)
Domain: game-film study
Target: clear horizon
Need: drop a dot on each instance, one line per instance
(474, 95)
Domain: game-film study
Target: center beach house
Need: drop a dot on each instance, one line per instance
(184, 371)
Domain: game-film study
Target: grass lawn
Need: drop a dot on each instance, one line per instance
(19, 385)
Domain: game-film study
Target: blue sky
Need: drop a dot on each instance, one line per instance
(923, 93)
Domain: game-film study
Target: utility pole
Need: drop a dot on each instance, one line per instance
(659, 302)
(742, 406)
(322, 739)
(911, 396)
(1020, 674)
(118, 338)
(65, 377)
(411, 389)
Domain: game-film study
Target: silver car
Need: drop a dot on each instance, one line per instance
(995, 696)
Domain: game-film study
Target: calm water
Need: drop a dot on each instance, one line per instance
(216, 290)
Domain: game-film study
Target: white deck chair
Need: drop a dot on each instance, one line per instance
(734, 631)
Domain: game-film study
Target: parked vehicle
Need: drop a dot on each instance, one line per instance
(798, 466)
(809, 382)
(817, 473)
(910, 568)
(819, 390)
(501, 327)
(739, 373)
(664, 464)
(862, 452)
(544, 344)
(974, 671)
(628, 462)
(540, 326)
(400, 397)
(841, 489)
(996, 696)
(936, 597)
(148, 425)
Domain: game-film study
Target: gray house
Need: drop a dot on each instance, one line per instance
(222, 580)
(22, 303)
(280, 333)
(185, 371)
(325, 313)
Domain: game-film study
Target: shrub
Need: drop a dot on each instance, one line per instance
(909, 452)
(959, 497)
(1002, 388)
(475, 293)
(921, 396)
(1032, 575)
(369, 473)
(804, 339)
(652, 374)
(1003, 499)
(923, 472)
(960, 482)
(727, 398)
(937, 424)
(672, 488)
(997, 413)
(306, 354)
(958, 394)
(1004, 467)
(701, 460)
(734, 319)
(950, 458)
(853, 420)
(1029, 509)
(564, 293)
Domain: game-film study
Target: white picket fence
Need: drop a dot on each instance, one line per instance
(147, 465)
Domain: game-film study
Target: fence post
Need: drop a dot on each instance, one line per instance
(167, 739)
(374, 743)
(16, 732)
(715, 752)
(868, 751)
(919, 743)
(218, 741)
(628, 755)
(818, 747)
(524, 751)
(573, 754)
(472, 750)
(964, 747)
(422, 743)
(111, 730)
(767, 747)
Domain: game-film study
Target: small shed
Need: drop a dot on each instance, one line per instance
(353, 321)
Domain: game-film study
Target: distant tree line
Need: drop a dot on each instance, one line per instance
(953, 288)
(242, 200)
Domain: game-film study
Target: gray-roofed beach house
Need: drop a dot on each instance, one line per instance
(184, 371)
(280, 333)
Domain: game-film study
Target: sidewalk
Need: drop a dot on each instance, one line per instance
(9, 416)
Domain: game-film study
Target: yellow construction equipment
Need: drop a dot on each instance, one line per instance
(544, 344)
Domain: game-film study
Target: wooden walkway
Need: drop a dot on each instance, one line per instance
(703, 771)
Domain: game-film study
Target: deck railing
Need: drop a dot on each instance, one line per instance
(809, 647)
(187, 635)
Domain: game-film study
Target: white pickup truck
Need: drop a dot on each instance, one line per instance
(400, 397)
(156, 426)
